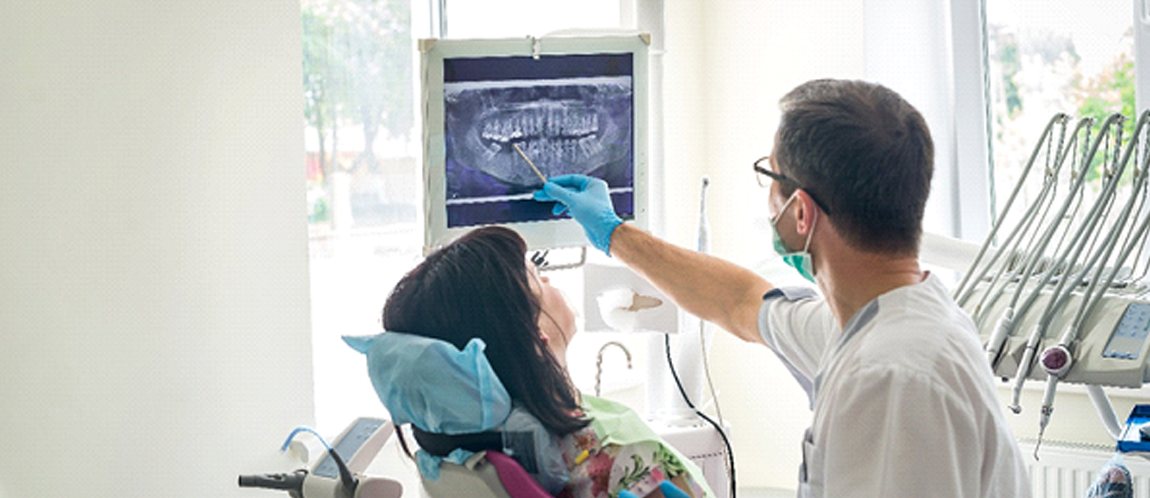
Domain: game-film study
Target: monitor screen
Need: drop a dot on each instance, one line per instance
(576, 108)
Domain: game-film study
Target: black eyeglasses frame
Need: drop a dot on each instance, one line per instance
(786, 180)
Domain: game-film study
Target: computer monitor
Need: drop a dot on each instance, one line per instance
(571, 105)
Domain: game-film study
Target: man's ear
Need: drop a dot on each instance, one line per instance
(807, 210)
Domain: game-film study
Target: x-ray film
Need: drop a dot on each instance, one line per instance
(568, 113)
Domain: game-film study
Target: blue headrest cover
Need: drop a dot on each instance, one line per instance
(432, 385)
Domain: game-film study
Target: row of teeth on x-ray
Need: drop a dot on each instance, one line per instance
(548, 150)
(535, 125)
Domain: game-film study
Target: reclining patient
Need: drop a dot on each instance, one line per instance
(473, 359)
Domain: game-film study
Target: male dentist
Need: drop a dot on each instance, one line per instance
(901, 392)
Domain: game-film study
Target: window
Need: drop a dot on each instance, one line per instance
(364, 180)
(1048, 56)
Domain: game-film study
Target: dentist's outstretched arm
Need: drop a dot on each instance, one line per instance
(711, 288)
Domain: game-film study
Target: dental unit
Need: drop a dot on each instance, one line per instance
(1070, 270)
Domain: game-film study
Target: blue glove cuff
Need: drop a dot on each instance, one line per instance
(606, 228)
(588, 200)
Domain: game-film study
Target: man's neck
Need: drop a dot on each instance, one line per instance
(855, 278)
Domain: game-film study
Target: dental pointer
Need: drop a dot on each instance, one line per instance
(529, 163)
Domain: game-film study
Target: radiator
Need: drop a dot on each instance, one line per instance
(1066, 470)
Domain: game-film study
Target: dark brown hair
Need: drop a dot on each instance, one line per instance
(865, 151)
(478, 286)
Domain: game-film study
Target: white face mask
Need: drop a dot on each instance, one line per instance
(799, 260)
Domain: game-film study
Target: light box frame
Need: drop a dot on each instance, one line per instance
(546, 234)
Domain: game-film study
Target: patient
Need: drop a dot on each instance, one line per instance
(482, 287)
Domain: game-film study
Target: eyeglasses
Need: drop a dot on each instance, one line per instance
(765, 176)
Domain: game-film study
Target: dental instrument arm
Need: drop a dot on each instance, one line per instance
(1062, 291)
(1034, 253)
(1105, 411)
(1015, 256)
(1058, 360)
(1060, 120)
(1005, 324)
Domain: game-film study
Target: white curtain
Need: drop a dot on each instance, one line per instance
(930, 52)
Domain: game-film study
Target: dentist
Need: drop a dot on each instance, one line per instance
(902, 396)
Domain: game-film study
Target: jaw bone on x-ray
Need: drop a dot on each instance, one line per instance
(568, 113)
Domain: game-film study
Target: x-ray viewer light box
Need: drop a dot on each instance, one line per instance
(579, 107)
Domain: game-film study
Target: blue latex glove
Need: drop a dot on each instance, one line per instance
(669, 490)
(589, 202)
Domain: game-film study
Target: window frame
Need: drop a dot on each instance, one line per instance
(974, 184)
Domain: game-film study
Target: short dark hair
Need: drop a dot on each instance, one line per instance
(866, 152)
(477, 286)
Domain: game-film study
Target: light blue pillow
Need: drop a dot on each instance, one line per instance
(440, 389)
(432, 385)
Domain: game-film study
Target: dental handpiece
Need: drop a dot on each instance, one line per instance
(998, 337)
(1023, 369)
(1047, 410)
(1056, 360)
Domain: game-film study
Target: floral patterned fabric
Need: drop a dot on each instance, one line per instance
(619, 452)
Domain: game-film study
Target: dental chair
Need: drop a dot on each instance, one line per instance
(473, 441)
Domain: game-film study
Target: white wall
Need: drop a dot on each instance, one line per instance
(154, 330)
(728, 62)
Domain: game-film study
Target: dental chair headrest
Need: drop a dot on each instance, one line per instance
(441, 390)
(432, 385)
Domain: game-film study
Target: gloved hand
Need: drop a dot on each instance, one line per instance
(589, 202)
(669, 490)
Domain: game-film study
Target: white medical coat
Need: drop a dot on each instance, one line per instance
(903, 399)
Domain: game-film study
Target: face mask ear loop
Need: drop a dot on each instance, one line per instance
(775, 218)
(811, 235)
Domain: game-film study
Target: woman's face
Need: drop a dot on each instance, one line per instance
(556, 319)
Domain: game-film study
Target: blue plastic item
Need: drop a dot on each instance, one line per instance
(1133, 438)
